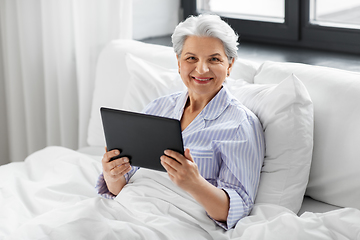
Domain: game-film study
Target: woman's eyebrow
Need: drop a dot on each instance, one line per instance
(215, 54)
(212, 55)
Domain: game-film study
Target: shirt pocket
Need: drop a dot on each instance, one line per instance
(207, 163)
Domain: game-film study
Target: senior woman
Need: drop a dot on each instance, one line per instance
(224, 142)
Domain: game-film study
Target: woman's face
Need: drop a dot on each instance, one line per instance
(203, 66)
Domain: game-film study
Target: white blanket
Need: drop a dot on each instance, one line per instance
(51, 196)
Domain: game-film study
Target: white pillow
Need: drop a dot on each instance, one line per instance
(112, 78)
(244, 69)
(286, 112)
(149, 81)
(335, 169)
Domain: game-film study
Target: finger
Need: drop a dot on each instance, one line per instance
(118, 162)
(108, 155)
(175, 155)
(165, 165)
(106, 149)
(179, 157)
(171, 172)
(169, 163)
(121, 169)
(187, 155)
(108, 166)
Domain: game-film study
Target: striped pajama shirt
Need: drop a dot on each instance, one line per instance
(226, 141)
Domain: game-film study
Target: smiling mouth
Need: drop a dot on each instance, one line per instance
(202, 79)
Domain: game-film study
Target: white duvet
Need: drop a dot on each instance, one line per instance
(51, 196)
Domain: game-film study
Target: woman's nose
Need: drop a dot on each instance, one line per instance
(202, 67)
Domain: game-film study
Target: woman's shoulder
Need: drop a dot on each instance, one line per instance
(163, 104)
(168, 100)
(170, 97)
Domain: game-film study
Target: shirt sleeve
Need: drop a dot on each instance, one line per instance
(102, 188)
(239, 176)
(239, 208)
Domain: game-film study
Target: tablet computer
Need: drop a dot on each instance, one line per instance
(141, 137)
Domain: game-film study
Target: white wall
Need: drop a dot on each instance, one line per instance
(153, 18)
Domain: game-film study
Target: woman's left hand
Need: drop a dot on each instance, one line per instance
(184, 172)
(182, 169)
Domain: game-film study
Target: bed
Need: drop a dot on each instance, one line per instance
(308, 189)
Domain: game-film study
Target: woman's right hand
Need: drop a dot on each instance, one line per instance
(115, 170)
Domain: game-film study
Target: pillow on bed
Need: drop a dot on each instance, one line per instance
(149, 81)
(334, 176)
(112, 78)
(286, 112)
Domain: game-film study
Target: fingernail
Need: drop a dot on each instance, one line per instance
(126, 160)
(116, 152)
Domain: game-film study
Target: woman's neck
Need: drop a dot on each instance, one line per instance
(196, 103)
(193, 106)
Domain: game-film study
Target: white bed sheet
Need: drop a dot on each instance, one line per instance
(308, 205)
(51, 196)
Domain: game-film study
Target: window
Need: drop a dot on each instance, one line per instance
(322, 24)
(258, 10)
(342, 14)
(256, 19)
(326, 24)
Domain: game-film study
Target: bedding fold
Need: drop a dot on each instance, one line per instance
(52, 196)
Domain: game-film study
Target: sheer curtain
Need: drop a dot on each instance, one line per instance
(48, 53)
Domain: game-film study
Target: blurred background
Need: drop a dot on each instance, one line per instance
(49, 50)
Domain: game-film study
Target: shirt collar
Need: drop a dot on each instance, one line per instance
(180, 104)
(216, 106)
(211, 111)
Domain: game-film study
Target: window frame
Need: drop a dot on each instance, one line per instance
(295, 31)
(326, 37)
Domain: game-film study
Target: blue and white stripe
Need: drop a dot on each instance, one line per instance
(227, 143)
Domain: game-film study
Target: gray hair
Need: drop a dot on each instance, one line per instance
(206, 26)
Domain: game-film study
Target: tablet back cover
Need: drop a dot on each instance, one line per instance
(141, 137)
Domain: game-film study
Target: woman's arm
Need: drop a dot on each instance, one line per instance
(184, 173)
(114, 171)
(215, 201)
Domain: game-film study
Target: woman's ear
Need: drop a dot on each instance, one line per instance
(230, 66)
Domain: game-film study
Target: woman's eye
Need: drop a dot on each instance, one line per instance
(214, 59)
(191, 58)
